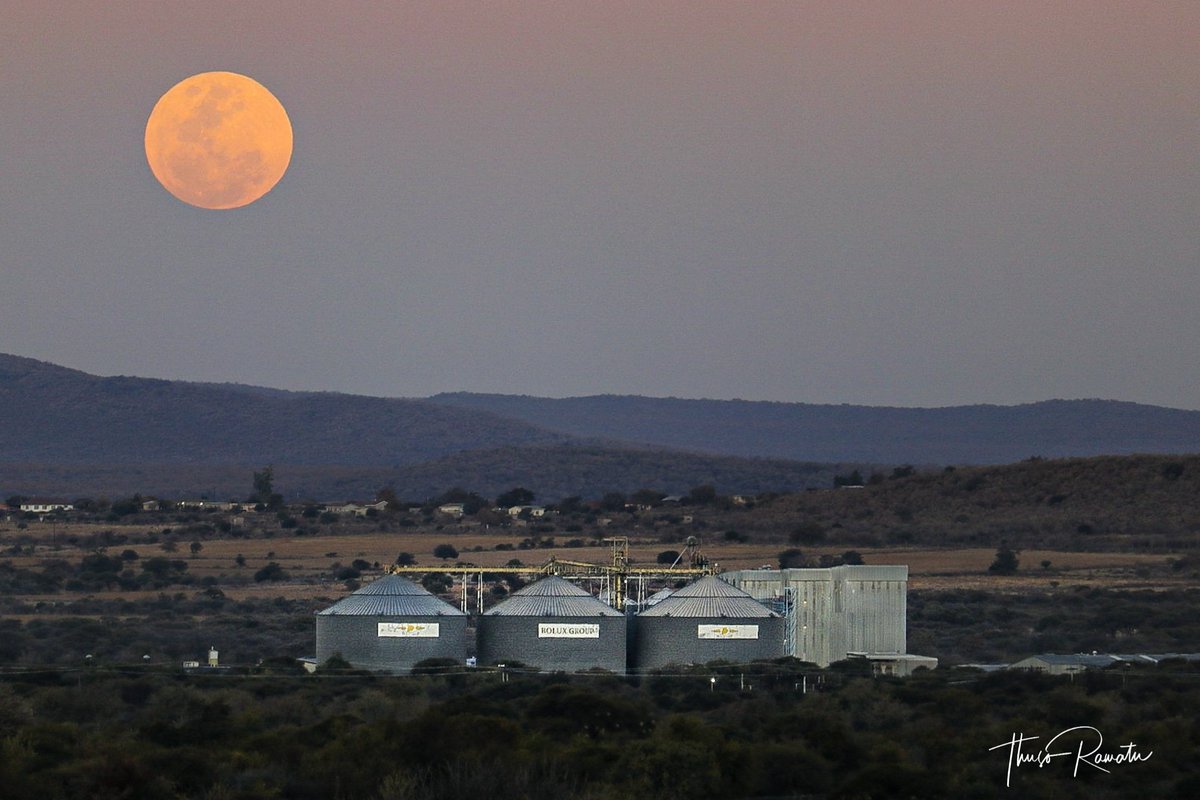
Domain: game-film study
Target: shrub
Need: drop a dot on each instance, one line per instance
(271, 572)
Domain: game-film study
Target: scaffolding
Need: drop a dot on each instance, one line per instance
(784, 605)
(612, 579)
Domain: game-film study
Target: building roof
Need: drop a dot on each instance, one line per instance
(709, 597)
(1068, 661)
(553, 596)
(392, 596)
(1099, 660)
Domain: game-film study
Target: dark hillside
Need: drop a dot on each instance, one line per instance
(50, 415)
(550, 472)
(1142, 502)
(980, 434)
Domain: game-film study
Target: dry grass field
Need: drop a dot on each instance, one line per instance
(311, 560)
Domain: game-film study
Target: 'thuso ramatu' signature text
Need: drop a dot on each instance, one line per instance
(1088, 737)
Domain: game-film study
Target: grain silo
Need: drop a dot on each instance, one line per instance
(708, 620)
(552, 624)
(390, 625)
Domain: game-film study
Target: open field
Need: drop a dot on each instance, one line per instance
(312, 560)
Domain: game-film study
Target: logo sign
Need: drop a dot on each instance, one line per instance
(552, 631)
(418, 630)
(727, 631)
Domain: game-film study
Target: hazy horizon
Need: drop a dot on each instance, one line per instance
(302, 390)
(907, 205)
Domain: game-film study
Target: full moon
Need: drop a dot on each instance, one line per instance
(218, 140)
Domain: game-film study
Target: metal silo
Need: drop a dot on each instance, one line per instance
(390, 625)
(708, 620)
(552, 624)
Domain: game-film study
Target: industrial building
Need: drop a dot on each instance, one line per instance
(815, 615)
(552, 624)
(390, 625)
(708, 620)
(832, 613)
(1055, 664)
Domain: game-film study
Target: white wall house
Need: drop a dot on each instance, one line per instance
(45, 506)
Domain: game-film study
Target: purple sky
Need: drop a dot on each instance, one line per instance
(888, 203)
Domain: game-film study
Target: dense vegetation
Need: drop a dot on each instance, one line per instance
(1141, 503)
(956, 626)
(972, 626)
(1132, 503)
(753, 733)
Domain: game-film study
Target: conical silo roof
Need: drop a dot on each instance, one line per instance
(553, 597)
(392, 596)
(709, 597)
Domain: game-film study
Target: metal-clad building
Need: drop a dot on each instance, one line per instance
(390, 625)
(552, 624)
(708, 620)
(836, 611)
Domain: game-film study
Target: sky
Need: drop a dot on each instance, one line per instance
(886, 203)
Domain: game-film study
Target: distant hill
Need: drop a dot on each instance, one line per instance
(62, 428)
(979, 434)
(53, 415)
(65, 432)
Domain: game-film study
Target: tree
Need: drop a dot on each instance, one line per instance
(648, 497)
(1006, 561)
(517, 496)
(852, 558)
(792, 559)
(612, 501)
(264, 489)
(667, 557)
(855, 478)
(702, 495)
(388, 495)
(271, 572)
(437, 582)
(471, 502)
(195, 547)
(444, 551)
(406, 559)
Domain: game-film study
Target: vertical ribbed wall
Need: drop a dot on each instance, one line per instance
(838, 610)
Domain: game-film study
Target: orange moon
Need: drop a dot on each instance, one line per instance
(218, 140)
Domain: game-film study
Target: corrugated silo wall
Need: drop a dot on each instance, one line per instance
(838, 610)
(662, 641)
(554, 643)
(362, 642)
(876, 608)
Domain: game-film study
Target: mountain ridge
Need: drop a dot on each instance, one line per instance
(975, 434)
(57, 418)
